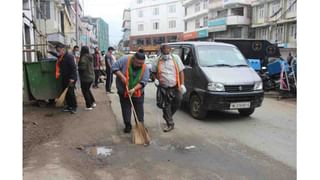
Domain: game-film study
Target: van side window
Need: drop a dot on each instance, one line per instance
(187, 56)
(177, 51)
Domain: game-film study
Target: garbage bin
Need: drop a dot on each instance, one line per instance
(41, 81)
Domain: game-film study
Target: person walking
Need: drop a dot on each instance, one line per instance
(97, 64)
(132, 76)
(109, 60)
(86, 72)
(66, 69)
(169, 79)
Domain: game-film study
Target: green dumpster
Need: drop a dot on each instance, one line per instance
(41, 81)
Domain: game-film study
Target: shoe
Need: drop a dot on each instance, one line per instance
(169, 128)
(88, 108)
(73, 111)
(66, 109)
(127, 129)
(94, 105)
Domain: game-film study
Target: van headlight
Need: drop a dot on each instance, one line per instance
(215, 86)
(258, 86)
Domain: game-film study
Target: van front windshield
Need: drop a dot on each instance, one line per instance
(212, 55)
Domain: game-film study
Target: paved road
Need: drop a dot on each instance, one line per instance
(263, 145)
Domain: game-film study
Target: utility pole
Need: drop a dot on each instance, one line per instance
(76, 22)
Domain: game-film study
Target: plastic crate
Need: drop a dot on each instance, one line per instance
(255, 64)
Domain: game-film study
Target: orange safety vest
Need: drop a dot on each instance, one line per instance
(176, 68)
(58, 67)
(138, 92)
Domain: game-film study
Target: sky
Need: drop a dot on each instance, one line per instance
(109, 10)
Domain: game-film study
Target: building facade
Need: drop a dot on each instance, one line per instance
(28, 32)
(276, 21)
(126, 29)
(210, 19)
(154, 22)
(103, 34)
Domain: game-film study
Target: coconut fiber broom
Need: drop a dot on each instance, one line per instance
(60, 99)
(140, 134)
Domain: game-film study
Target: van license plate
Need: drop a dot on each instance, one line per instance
(239, 105)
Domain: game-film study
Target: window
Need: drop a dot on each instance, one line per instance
(139, 1)
(156, 25)
(205, 4)
(237, 11)
(275, 7)
(279, 33)
(156, 11)
(293, 31)
(185, 26)
(158, 40)
(236, 32)
(172, 38)
(185, 11)
(205, 21)
(197, 7)
(140, 42)
(140, 13)
(140, 27)
(187, 56)
(172, 24)
(26, 5)
(172, 9)
(177, 51)
(197, 23)
(261, 12)
(290, 6)
(222, 13)
(45, 10)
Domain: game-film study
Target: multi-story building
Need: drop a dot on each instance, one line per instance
(210, 19)
(154, 22)
(126, 29)
(195, 19)
(28, 31)
(102, 34)
(89, 34)
(276, 21)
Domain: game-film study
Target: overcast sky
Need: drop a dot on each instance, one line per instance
(109, 10)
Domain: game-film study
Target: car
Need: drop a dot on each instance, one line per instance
(218, 77)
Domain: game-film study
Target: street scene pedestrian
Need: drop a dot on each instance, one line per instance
(168, 71)
(109, 60)
(66, 69)
(132, 77)
(97, 65)
(86, 72)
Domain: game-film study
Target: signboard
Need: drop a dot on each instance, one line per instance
(217, 25)
(203, 33)
(190, 35)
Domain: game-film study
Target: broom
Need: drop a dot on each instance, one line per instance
(140, 133)
(60, 99)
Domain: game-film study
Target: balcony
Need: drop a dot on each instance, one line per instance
(200, 13)
(238, 20)
(232, 2)
(56, 38)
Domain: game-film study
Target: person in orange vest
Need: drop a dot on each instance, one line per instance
(132, 76)
(169, 79)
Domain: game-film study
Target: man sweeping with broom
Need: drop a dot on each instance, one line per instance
(132, 76)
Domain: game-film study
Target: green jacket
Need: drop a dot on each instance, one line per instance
(85, 68)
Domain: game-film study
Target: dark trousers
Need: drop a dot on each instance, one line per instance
(96, 77)
(172, 102)
(109, 80)
(87, 94)
(70, 98)
(126, 108)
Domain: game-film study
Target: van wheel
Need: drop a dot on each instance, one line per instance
(246, 112)
(195, 108)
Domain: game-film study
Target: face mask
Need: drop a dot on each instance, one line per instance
(166, 57)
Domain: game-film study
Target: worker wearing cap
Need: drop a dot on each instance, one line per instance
(132, 76)
(168, 72)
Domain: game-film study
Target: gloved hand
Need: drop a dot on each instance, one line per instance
(156, 82)
(131, 91)
(183, 89)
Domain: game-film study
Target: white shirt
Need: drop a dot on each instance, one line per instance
(167, 70)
